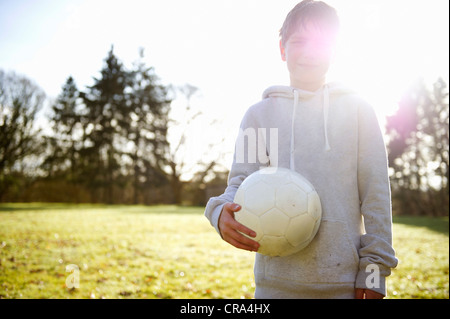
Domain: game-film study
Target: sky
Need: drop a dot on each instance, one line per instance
(227, 49)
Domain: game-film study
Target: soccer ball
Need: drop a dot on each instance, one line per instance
(282, 207)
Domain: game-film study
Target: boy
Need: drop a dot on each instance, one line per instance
(332, 137)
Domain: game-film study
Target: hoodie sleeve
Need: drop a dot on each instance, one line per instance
(246, 160)
(377, 256)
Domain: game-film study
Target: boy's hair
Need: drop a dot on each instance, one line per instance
(317, 12)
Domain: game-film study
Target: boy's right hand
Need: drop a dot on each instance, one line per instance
(232, 231)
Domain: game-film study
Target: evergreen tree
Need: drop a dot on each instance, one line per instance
(106, 110)
(147, 129)
(111, 137)
(63, 158)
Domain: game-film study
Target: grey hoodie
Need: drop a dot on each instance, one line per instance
(332, 137)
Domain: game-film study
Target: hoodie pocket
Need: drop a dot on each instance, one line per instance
(330, 258)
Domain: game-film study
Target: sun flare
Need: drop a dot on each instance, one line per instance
(384, 50)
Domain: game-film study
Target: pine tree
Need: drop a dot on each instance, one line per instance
(66, 138)
(106, 108)
(147, 130)
(111, 137)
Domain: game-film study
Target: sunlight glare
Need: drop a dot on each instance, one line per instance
(385, 49)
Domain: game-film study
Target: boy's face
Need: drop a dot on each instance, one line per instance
(307, 52)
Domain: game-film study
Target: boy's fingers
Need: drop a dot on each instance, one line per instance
(239, 245)
(243, 229)
(232, 207)
(232, 231)
(370, 294)
(359, 293)
(240, 241)
(244, 239)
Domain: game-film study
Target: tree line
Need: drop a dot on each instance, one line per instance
(418, 148)
(108, 143)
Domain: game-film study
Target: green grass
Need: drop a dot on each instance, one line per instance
(169, 252)
(422, 247)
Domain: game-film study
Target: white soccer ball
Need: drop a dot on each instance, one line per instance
(282, 207)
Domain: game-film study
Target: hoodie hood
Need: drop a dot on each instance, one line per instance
(334, 88)
(298, 95)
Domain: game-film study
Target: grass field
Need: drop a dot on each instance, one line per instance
(169, 252)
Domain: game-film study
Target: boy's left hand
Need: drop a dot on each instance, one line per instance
(367, 294)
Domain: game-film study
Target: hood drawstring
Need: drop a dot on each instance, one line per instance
(294, 111)
(326, 107)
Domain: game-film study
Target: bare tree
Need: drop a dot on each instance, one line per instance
(181, 165)
(20, 100)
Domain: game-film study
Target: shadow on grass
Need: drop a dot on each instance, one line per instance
(437, 224)
(18, 207)
(162, 209)
(125, 209)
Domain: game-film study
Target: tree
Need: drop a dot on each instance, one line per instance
(106, 116)
(184, 170)
(176, 158)
(419, 150)
(111, 137)
(65, 120)
(147, 131)
(20, 100)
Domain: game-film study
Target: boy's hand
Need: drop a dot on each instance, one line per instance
(231, 230)
(367, 294)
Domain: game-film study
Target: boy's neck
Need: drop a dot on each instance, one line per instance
(308, 86)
